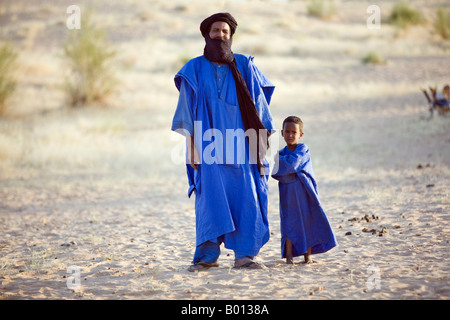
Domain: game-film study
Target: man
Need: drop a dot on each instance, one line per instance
(222, 93)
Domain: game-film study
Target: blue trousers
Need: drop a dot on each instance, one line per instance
(209, 252)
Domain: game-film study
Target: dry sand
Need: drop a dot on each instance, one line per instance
(99, 188)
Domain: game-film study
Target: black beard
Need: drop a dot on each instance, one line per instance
(218, 50)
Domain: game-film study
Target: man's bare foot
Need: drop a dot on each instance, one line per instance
(309, 260)
(288, 251)
(290, 260)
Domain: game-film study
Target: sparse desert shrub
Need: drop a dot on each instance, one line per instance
(8, 65)
(442, 24)
(403, 16)
(323, 9)
(89, 56)
(373, 58)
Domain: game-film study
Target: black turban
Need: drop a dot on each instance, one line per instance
(205, 26)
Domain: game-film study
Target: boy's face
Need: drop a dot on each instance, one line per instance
(291, 133)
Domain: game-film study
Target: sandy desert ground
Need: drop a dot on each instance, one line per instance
(101, 189)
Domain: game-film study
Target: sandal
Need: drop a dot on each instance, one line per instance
(250, 265)
(202, 265)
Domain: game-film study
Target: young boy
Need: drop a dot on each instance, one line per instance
(305, 229)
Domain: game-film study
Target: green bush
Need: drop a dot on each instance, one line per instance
(89, 56)
(373, 58)
(442, 24)
(8, 65)
(323, 9)
(403, 16)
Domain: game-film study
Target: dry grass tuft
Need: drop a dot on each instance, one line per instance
(402, 16)
(442, 23)
(89, 56)
(8, 83)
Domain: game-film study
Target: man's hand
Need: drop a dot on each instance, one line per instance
(193, 154)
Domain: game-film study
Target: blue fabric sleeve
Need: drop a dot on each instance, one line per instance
(262, 90)
(183, 119)
(290, 163)
(265, 84)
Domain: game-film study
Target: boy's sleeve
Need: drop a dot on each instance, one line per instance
(290, 164)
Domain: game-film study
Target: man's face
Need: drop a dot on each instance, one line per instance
(220, 30)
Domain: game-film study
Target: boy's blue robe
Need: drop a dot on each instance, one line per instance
(231, 196)
(303, 220)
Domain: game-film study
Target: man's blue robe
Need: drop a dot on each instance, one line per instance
(231, 196)
(303, 220)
